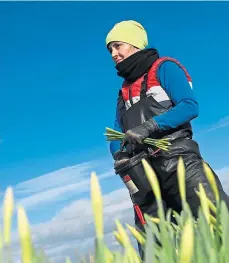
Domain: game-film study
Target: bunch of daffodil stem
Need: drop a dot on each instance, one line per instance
(113, 135)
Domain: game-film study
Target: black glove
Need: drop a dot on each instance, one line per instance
(138, 134)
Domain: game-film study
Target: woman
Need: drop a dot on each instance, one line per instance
(156, 100)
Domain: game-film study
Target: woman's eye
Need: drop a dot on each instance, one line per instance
(117, 46)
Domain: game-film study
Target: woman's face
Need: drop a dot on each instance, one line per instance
(120, 51)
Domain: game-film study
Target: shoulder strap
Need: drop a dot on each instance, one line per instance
(144, 86)
(157, 64)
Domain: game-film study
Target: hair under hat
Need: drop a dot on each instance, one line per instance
(130, 32)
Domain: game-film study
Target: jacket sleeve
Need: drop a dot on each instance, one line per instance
(172, 78)
(115, 145)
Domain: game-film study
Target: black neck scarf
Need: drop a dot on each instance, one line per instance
(137, 64)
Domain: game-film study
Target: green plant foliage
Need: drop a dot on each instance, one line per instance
(205, 239)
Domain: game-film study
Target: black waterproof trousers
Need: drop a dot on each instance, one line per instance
(165, 166)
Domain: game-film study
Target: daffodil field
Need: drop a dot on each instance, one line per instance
(205, 240)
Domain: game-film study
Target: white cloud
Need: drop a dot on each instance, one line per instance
(76, 219)
(58, 185)
(56, 193)
(57, 178)
(221, 123)
(72, 228)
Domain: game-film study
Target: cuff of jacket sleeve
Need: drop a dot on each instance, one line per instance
(152, 125)
(115, 155)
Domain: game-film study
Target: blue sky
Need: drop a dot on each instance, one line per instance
(54, 70)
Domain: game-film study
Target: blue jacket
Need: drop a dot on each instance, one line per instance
(173, 80)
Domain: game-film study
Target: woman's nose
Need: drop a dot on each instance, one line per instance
(114, 53)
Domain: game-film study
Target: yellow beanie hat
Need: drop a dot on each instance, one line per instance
(130, 32)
